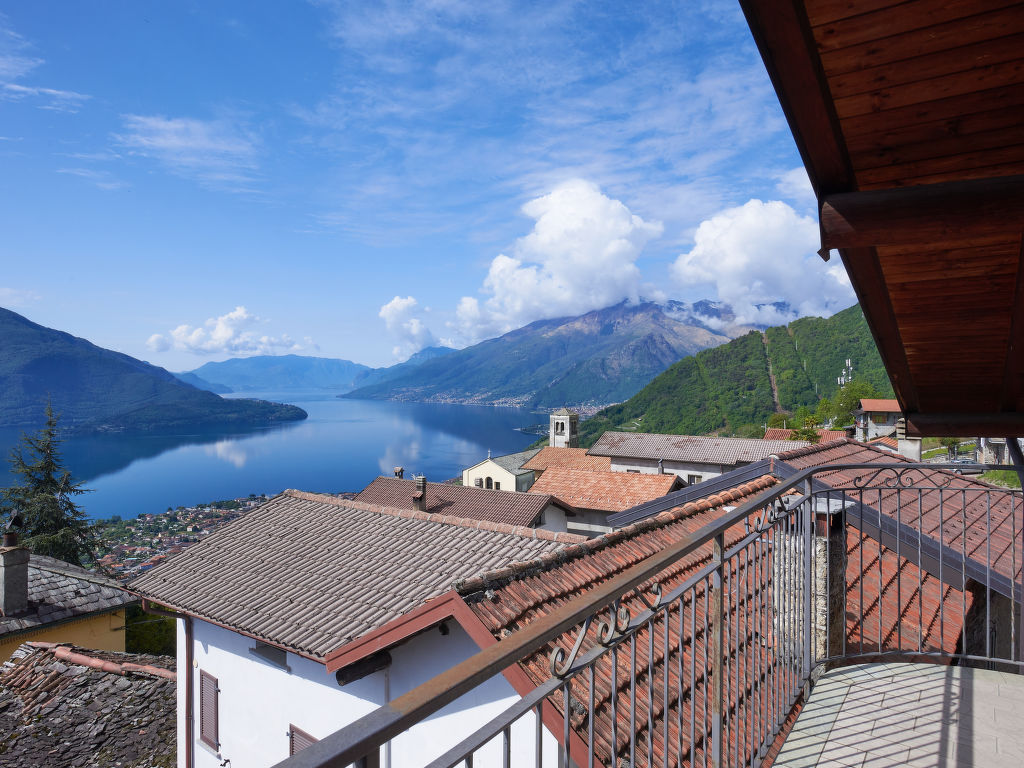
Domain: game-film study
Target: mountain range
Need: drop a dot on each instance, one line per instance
(600, 357)
(96, 389)
(734, 388)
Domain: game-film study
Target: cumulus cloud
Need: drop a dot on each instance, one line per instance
(795, 186)
(761, 253)
(401, 319)
(231, 333)
(580, 256)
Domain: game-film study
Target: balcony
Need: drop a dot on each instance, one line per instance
(844, 614)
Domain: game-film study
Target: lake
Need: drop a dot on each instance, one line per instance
(342, 446)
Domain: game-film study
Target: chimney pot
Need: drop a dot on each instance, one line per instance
(420, 496)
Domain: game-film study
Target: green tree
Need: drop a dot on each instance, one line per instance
(807, 432)
(950, 444)
(848, 400)
(52, 524)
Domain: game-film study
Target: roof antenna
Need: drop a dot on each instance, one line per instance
(488, 453)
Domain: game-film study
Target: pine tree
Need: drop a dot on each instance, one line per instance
(52, 524)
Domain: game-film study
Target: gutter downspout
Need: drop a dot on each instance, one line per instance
(187, 620)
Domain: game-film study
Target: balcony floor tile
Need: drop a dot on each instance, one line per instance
(922, 715)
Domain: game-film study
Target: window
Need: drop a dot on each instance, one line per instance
(632, 471)
(559, 427)
(497, 485)
(208, 692)
(693, 479)
(489, 483)
(479, 482)
(298, 740)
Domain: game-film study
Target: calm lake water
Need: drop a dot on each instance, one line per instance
(342, 446)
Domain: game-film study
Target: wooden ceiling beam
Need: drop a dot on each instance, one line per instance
(956, 211)
(869, 284)
(965, 424)
(786, 43)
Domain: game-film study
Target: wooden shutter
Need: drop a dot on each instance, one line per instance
(208, 692)
(298, 739)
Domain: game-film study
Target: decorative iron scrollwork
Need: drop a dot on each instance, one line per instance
(658, 597)
(561, 662)
(898, 479)
(618, 622)
(770, 515)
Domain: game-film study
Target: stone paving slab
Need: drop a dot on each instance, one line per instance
(919, 715)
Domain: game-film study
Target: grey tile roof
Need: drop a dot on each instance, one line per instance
(311, 572)
(689, 448)
(513, 462)
(58, 591)
(509, 507)
(61, 707)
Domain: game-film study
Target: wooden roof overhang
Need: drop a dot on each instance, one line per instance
(909, 117)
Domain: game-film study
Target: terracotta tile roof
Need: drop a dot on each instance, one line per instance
(62, 706)
(607, 491)
(58, 591)
(888, 441)
(825, 435)
(511, 507)
(526, 591)
(310, 572)
(690, 448)
(568, 458)
(968, 516)
(521, 593)
(885, 406)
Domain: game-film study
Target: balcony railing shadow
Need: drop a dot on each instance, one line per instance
(704, 652)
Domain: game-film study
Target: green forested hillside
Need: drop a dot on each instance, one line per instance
(728, 390)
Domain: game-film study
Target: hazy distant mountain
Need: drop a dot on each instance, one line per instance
(97, 389)
(378, 375)
(281, 373)
(198, 383)
(601, 357)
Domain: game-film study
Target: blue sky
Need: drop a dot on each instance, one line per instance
(186, 182)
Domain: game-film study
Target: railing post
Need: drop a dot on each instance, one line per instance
(718, 651)
(807, 519)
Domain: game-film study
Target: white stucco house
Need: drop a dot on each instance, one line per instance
(693, 458)
(501, 473)
(312, 611)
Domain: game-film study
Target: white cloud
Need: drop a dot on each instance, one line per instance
(218, 153)
(102, 179)
(580, 256)
(13, 297)
(16, 63)
(760, 253)
(795, 186)
(230, 333)
(400, 318)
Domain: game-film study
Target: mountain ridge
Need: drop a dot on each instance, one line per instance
(98, 389)
(598, 357)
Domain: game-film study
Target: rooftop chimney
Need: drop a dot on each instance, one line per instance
(419, 498)
(13, 576)
(399, 472)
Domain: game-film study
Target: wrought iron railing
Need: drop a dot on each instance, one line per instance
(833, 565)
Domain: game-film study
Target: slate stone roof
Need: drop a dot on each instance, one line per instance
(309, 572)
(513, 462)
(62, 706)
(58, 591)
(606, 491)
(510, 507)
(689, 448)
(569, 458)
